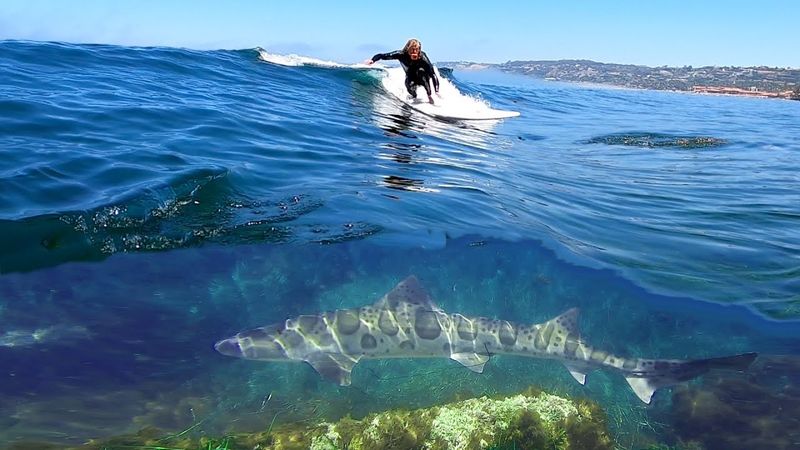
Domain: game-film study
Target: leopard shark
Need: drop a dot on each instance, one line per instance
(406, 323)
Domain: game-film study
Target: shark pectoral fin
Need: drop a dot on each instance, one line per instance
(642, 387)
(472, 361)
(333, 366)
(578, 374)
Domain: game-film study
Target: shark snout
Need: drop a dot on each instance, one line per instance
(229, 347)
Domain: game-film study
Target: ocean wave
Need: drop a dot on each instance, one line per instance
(105, 146)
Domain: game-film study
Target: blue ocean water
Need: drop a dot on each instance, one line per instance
(155, 200)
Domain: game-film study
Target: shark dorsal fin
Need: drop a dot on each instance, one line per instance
(407, 291)
(472, 361)
(567, 321)
(334, 367)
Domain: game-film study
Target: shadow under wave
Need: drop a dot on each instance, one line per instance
(202, 209)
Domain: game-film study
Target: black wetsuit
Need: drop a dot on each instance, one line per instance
(419, 72)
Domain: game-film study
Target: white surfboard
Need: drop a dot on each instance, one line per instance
(440, 109)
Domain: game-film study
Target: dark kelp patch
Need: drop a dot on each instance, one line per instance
(658, 140)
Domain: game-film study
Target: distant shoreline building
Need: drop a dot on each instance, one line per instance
(752, 92)
(761, 81)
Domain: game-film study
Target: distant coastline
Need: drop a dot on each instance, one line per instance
(766, 82)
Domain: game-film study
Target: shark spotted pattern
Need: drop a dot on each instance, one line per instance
(405, 323)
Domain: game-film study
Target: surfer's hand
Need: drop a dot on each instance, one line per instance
(369, 62)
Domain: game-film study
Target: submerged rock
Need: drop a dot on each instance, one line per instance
(758, 411)
(530, 420)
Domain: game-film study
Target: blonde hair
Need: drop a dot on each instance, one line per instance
(412, 43)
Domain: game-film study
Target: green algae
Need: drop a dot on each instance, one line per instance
(532, 419)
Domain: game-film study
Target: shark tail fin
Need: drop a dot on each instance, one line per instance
(737, 362)
(645, 384)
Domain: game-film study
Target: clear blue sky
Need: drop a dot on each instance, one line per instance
(649, 32)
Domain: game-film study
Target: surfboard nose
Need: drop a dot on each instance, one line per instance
(229, 347)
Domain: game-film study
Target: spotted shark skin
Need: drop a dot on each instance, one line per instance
(405, 323)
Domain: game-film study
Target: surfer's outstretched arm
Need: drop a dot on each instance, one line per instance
(391, 55)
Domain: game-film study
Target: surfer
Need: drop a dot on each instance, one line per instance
(418, 68)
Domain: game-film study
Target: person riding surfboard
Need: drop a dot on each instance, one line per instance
(418, 68)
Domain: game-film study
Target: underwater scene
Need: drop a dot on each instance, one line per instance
(239, 250)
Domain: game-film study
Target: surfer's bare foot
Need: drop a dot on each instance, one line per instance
(430, 99)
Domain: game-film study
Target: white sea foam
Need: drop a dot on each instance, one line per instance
(298, 60)
(450, 102)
